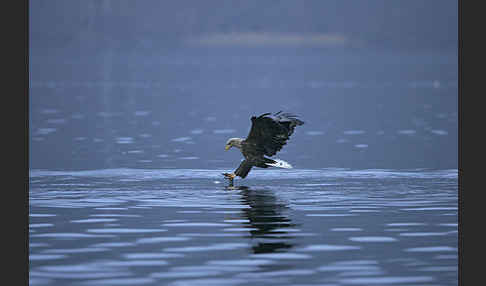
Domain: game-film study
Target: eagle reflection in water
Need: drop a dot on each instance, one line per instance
(267, 219)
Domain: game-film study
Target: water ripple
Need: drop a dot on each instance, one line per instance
(176, 227)
(257, 174)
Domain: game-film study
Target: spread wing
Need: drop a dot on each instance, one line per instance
(269, 133)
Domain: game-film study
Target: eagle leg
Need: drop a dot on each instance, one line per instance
(230, 177)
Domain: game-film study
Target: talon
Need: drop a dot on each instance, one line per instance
(229, 176)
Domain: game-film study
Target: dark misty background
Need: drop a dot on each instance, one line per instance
(164, 84)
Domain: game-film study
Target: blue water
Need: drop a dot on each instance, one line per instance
(176, 109)
(126, 152)
(277, 227)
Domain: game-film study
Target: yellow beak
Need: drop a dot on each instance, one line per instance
(227, 147)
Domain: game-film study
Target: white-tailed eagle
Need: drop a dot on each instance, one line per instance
(268, 134)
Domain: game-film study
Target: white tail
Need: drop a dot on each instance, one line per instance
(280, 164)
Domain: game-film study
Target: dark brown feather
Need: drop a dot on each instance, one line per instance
(269, 133)
(244, 168)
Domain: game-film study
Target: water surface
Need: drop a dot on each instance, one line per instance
(277, 227)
